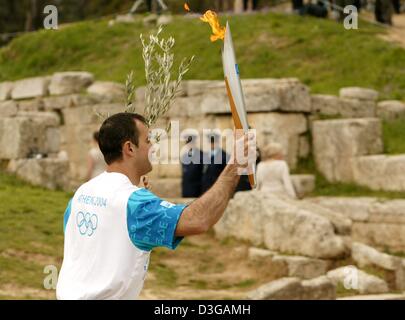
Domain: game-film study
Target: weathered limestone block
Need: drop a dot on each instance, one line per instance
(282, 128)
(86, 115)
(281, 289)
(320, 288)
(325, 104)
(185, 107)
(378, 223)
(342, 107)
(387, 211)
(365, 256)
(280, 226)
(46, 119)
(69, 101)
(8, 108)
(380, 235)
(261, 95)
(21, 136)
(109, 89)
(354, 208)
(69, 82)
(200, 87)
(293, 95)
(353, 278)
(358, 93)
(351, 108)
(258, 253)
(390, 110)
(303, 267)
(291, 288)
(341, 224)
(49, 173)
(32, 105)
(303, 184)
(5, 90)
(30, 88)
(337, 142)
(380, 172)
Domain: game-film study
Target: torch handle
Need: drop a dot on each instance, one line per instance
(238, 123)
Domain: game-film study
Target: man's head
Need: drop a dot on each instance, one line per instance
(124, 138)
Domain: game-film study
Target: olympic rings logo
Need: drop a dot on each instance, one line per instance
(87, 223)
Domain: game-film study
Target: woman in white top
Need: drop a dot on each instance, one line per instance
(95, 160)
(273, 174)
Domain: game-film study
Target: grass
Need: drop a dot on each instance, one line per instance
(30, 231)
(393, 135)
(320, 52)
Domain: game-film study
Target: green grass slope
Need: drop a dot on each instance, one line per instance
(320, 52)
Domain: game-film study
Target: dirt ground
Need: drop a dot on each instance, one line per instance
(204, 267)
(396, 33)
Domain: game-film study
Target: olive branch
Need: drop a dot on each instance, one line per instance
(161, 90)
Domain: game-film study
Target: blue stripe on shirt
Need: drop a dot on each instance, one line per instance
(151, 221)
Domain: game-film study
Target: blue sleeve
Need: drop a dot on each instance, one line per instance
(66, 215)
(151, 221)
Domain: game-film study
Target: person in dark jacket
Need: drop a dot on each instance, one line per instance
(383, 11)
(214, 162)
(192, 166)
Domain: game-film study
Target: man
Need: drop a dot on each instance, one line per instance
(214, 162)
(191, 163)
(111, 225)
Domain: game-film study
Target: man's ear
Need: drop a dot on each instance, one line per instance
(128, 147)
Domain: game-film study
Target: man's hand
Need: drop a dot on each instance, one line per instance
(244, 153)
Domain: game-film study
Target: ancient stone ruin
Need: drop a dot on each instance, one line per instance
(46, 125)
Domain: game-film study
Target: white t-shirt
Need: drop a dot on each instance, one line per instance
(111, 226)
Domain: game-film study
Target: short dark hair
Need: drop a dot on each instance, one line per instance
(115, 131)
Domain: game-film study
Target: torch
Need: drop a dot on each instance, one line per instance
(232, 79)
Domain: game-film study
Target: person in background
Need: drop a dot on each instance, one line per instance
(192, 167)
(383, 11)
(250, 5)
(396, 4)
(297, 5)
(214, 162)
(95, 159)
(273, 174)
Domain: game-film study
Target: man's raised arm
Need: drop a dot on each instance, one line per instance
(204, 212)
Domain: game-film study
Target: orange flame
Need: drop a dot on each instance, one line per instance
(217, 30)
(186, 7)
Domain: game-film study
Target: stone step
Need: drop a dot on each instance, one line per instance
(380, 172)
(385, 296)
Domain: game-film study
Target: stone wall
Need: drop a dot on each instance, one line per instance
(54, 116)
(378, 223)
